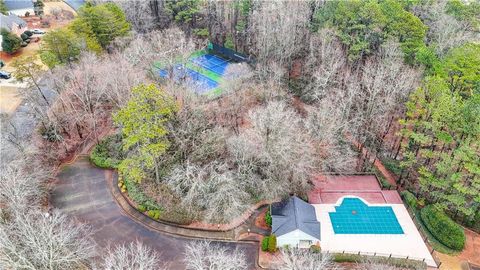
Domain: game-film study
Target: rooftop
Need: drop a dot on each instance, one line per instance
(7, 21)
(293, 214)
(18, 4)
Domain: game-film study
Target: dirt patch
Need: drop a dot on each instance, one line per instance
(9, 99)
(260, 220)
(471, 253)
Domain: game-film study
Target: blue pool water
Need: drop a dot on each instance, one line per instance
(353, 216)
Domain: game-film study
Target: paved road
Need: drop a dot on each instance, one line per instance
(82, 192)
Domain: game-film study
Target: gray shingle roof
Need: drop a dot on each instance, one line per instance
(7, 21)
(75, 4)
(293, 214)
(18, 4)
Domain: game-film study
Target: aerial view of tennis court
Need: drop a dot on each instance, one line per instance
(202, 73)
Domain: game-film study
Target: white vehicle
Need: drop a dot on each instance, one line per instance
(38, 31)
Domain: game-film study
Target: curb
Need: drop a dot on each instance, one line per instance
(170, 228)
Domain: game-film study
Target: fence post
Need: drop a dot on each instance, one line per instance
(439, 264)
(359, 253)
(374, 254)
(433, 250)
(390, 256)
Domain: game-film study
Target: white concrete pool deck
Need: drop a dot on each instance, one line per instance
(398, 245)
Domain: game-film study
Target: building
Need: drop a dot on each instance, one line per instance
(294, 223)
(13, 23)
(20, 7)
(75, 4)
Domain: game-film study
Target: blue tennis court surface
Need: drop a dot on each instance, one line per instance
(202, 73)
(195, 80)
(211, 62)
(353, 216)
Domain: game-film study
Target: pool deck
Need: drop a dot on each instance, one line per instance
(398, 245)
(330, 188)
(328, 192)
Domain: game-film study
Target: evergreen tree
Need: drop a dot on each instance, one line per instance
(10, 42)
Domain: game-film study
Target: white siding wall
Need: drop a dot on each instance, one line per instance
(292, 238)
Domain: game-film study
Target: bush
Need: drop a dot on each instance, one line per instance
(268, 218)
(155, 214)
(272, 243)
(24, 36)
(28, 33)
(265, 243)
(442, 227)
(409, 198)
(142, 208)
(108, 153)
(315, 249)
(10, 42)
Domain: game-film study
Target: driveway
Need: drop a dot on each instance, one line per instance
(82, 192)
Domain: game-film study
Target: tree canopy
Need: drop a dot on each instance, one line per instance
(364, 25)
(106, 22)
(442, 129)
(143, 122)
(59, 47)
(10, 42)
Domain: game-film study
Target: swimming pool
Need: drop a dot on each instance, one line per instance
(353, 216)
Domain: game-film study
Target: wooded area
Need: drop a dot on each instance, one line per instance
(334, 86)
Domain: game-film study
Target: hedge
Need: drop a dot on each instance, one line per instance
(108, 153)
(265, 243)
(268, 218)
(409, 198)
(396, 262)
(272, 243)
(444, 229)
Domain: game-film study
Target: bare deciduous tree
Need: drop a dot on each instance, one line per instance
(212, 189)
(444, 31)
(139, 13)
(300, 259)
(276, 147)
(164, 49)
(324, 65)
(132, 256)
(34, 240)
(200, 255)
(20, 189)
(278, 29)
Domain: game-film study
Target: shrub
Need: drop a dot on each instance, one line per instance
(10, 42)
(24, 36)
(268, 218)
(108, 153)
(409, 198)
(142, 208)
(272, 243)
(315, 249)
(442, 227)
(28, 33)
(155, 214)
(265, 243)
